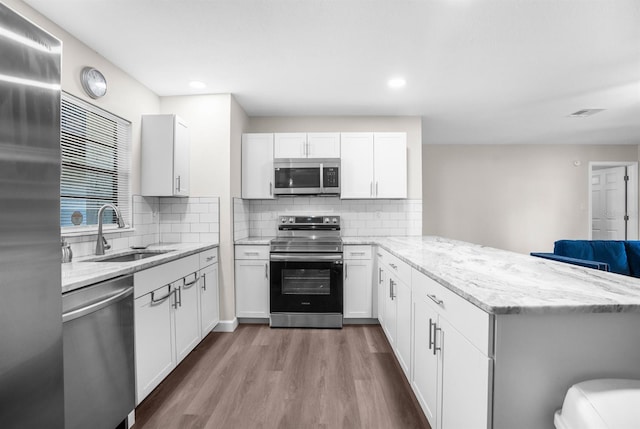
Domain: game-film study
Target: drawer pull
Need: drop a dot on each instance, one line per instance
(435, 299)
(394, 266)
(357, 253)
(210, 258)
(251, 253)
(188, 285)
(159, 300)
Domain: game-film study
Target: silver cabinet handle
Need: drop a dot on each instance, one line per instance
(379, 275)
(210, 258)
(431, 325)
(392, 288)
(251, 253)
(394, 266)
(178, 183)
(376, 188)
(356, 253)
(435, 338)
(155, 300)
(188, 285)
(204, 281)
(371, 189)
(379, 255)
(435, 299)
(266, 271)
(177, 300)
(346, 270)
(270, 188)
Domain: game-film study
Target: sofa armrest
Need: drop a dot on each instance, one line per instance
(603, 266)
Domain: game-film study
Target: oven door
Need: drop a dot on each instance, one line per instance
(306, 283)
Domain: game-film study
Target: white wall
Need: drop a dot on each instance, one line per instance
(126, 97)
(515, 197)
(412, 125)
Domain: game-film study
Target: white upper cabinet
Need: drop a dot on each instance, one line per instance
(257, 166)
(373, 165)
(390, 165)
(164, 156)
(356, 165)
(303, 145)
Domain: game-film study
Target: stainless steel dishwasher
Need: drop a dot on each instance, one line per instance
(98, 347)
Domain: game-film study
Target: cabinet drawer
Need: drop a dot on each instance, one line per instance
(252, 251)
(208, 257)
(396, 266)
(357, 252)
(147, 280)
(471, 321)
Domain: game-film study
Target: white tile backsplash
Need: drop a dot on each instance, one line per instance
(258, 218)
(161, 220)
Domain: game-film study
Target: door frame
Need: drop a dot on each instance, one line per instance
(632, 196)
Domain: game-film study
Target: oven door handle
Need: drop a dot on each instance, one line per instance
(307, 257)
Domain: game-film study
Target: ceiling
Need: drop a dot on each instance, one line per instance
(477, 71)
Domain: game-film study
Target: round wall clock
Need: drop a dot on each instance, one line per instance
(93, 82)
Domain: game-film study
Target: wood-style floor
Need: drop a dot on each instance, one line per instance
(258, 377)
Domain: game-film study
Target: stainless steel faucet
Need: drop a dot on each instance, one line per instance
(102, 244)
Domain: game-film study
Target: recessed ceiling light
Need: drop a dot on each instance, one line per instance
(397, 82)
(196, 84)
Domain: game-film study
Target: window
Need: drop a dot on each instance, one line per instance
(95, 164)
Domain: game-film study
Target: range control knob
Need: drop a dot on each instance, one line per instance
(291, 220)
(326, 220)
(283, 220)
(335, 220)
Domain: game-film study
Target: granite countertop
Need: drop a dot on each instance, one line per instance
(503, 282)
(81, 273)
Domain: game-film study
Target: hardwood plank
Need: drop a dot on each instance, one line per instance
(258, 377)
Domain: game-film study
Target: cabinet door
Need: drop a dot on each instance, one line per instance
(257, 166)
(403, 326)
(465, 381)
(187, 323)
(424, 378)
(252, 288)
(357, 289)
(323, 145)
(390, 311)
(155, 352)
(356, 165)
(390, 165)
(181, 158)
(209, 299)
(290, 145)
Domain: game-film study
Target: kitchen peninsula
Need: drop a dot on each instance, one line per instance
(499, 336)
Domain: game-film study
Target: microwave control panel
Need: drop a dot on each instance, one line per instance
(330, 179)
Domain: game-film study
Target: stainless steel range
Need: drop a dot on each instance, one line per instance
(306, 273)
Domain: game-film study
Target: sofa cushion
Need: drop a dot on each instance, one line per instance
(633, 256)
(610, 251)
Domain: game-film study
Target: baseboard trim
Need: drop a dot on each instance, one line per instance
(360, 321)
(226, 325)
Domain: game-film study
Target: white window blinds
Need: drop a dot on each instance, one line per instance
(95, 166)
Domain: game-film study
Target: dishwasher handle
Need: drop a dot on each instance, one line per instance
(97, 305)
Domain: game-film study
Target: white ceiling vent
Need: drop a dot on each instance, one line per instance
(585, 112)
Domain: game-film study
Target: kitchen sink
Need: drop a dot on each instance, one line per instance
(134, 255)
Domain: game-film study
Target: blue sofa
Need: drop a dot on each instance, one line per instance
(622, 257)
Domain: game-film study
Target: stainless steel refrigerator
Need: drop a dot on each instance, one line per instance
(31, 370)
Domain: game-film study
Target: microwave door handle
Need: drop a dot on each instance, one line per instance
(321, 178)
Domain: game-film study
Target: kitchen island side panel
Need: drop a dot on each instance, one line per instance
(539, 356)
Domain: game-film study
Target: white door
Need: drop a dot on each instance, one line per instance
(403, 326)
(390, 165)
(181, 158)
(323, 145)
(209, 308)
(424, 379)
(608, 203)
(252, 288)
(290, 145)
(381, 276)
(257, 166)
(187, 324)
(356, 165)
(390, 311)
(357, 288)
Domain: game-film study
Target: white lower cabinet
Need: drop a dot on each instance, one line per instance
(451, 367)
(173, 311)
(209, 292)
(252, 281)
(357, 286)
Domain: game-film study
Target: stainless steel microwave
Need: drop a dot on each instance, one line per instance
(307, 176)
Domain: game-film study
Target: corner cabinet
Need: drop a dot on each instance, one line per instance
(252, 281)
(257, 166)
(452, 368)
(358, 298)
(373, 165)
(165, 156)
